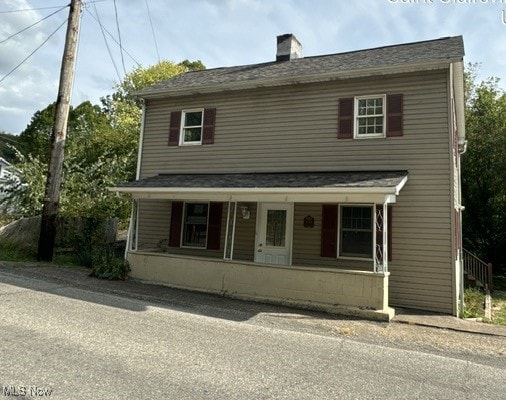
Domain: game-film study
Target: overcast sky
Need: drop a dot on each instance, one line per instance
(220, 33)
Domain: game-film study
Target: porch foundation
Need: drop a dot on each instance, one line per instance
(347, 292)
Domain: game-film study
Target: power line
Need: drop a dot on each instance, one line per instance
(107, 43)
(48, 8)
(28, 27)
(113, 38)
(152, 30)
(119, 38)
(33, 9)
(33, 52)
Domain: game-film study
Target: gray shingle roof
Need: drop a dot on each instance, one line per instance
(341, 179)
(449, 49)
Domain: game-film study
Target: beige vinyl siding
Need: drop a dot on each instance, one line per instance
(294, 128)
(154, 228)
(307, 242)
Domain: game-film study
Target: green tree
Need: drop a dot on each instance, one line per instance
(124, 109)
(484, 170)
(100, 150)
(35, 140)
(8, 144)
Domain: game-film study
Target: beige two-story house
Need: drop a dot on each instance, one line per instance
(330, 182)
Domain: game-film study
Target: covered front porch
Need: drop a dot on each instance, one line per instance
(312, 240)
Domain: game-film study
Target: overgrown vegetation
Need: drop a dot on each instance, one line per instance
(484, 171)
(13, 251)
(106, 264)
(474, 300)
(100, 152)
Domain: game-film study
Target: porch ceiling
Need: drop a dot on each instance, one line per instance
(341, 186)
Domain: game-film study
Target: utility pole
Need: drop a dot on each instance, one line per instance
(54, 173)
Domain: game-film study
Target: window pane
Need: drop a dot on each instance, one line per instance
(276, 228)
(193, 118)
(195, 225)
(356, 231)
(192, 134)
(356, 244)
(370, 125)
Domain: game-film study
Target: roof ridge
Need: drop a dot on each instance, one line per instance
(330, 54)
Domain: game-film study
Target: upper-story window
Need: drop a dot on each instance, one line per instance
(370, 116)
(191, 126)
(373, 116)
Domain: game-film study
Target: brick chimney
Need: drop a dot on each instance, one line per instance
(289, 48)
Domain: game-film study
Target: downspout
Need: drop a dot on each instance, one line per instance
(141, 140)
(132, 226)
(458, 85)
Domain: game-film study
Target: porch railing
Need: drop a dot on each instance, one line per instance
(479, 270)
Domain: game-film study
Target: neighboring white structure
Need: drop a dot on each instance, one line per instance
(5, 174)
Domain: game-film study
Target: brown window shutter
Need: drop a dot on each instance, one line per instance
(379, 234)
(175, 127)
(394, 115)
(345, 127)
(214, 226)
(176, 219)
(329, 230)
(208, 129)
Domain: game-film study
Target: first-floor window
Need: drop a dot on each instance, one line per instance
(195, 224)
(356, 238)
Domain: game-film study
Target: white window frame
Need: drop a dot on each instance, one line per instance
(183, 226)
(182, 142)
(356, 117)
(339, 231)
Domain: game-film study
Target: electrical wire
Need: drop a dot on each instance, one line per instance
(28, 27)
(107, 43)
(152, 30)
(33, 52)
(33, 9)
(114, 39)
(119, 38)
(48, 8)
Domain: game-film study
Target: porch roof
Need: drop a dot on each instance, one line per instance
(343, 186)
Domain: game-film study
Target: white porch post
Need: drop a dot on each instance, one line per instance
(381, 238)
(131, 243)
(228, 251)
(385, 237)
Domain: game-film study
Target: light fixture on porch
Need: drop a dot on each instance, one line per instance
(245, 212)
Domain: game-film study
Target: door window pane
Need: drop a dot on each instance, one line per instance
(276, 228)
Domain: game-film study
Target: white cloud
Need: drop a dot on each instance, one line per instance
(222, 33)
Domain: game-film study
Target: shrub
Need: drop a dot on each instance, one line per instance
(107, 265)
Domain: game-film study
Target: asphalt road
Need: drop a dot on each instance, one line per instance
(68, 342)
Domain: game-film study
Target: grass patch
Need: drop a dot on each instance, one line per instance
(474, 300)
(12, 251)
(499, 307)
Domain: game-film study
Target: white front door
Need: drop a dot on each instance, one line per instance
(273, 244)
